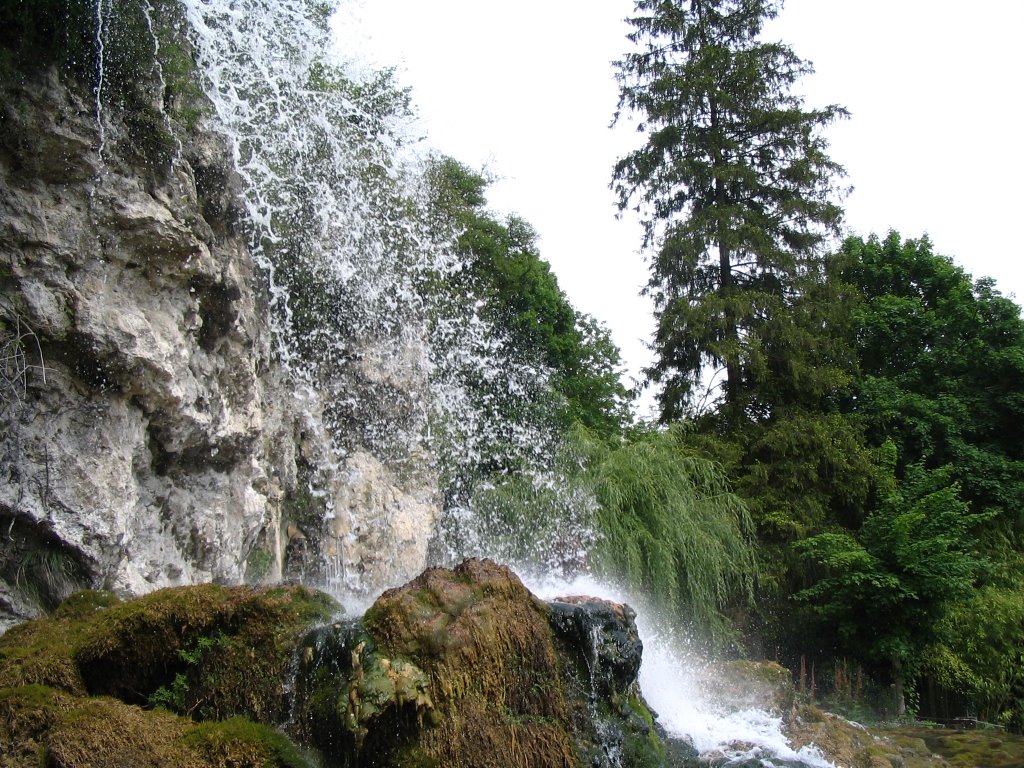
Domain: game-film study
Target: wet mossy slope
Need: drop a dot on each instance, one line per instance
(103, 682)
(460, 668)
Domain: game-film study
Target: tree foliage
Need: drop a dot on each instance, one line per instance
(734, 182)
(520, 295)
(980, 654)
(886, 587)
(941, 372)
(671, 525)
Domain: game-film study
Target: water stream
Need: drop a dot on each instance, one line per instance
(680, 686)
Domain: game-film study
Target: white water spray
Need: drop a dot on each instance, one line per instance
(678, 685)
(399, 377)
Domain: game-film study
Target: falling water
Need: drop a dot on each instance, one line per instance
(147, 14)
(393, 372)
(679, 685)
(102, 11)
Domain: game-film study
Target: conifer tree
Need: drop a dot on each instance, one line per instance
(734, 185)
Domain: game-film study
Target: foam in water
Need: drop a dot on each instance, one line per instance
(673, 681)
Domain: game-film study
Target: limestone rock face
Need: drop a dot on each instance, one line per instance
(380, 525)
(133, 448)
(149, 436)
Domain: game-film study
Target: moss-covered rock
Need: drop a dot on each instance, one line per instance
(458, 668)
(466, 667)
(849, 745)
(73, 686)
(229, 649)
(42, 652)
(43, 726)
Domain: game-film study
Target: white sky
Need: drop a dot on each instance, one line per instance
(527, 89)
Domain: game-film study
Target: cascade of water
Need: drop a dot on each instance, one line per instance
(675, 682)
(147, 15)
(338, 219)
(406, 383)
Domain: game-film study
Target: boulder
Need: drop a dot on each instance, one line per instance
(465, 667)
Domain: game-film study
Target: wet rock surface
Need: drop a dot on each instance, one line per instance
(461, 667)
(150, 435)
(465, 667)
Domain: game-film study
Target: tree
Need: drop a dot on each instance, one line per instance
(734, 182)
(941, 381)
(941, 373)
(886, 588)
(671, 526)
(520, 295)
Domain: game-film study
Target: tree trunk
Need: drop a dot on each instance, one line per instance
(726, 281)
(897, 688)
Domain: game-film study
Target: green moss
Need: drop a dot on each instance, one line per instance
(147, 65)
(301, 506)
(85, 604)
(486, 648)
(241, 742)
(35, 34)
(104, 732)
(40, 725)
(26, 714)
(231, 645)
(42, 652)
(966, 749)
(258, 565)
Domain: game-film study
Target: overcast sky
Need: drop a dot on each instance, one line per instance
(527, 89)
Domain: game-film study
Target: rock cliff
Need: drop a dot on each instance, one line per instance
(150, 434)
(140, 417)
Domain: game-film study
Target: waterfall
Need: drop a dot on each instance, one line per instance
(402, 388)
(680, 686)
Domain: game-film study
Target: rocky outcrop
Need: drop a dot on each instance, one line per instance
(190, 677)
(150, 434)
(459, 667)
(465, 667)
(138, 451)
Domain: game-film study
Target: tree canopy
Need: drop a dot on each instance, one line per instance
(520, 295)
(734, 185)
(941, 363)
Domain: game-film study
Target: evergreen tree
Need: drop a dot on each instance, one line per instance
(734, 182)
